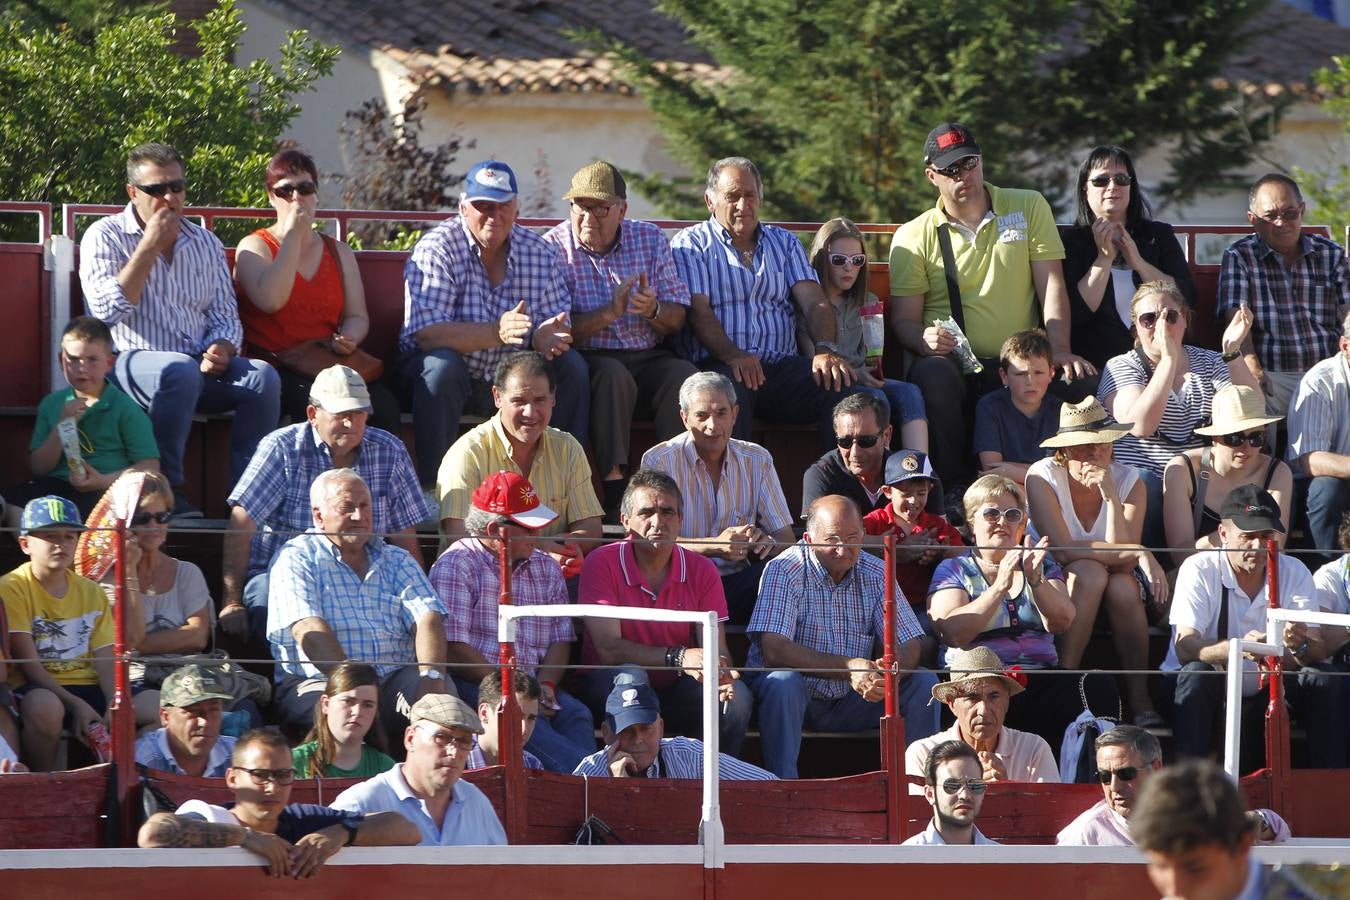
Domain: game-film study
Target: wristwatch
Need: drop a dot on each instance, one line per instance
(1230, 355)
(827, 347)
(433, 674)
(351, 829)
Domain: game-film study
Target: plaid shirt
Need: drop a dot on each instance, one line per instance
(592, 277)
(799, 600)
(374, 619)
(445, 282)
(1296, 310)
(274, 489)
(749, 492)
(680, 758)
(754, 304)
(465, 578)
(476, 760)
(185, 307)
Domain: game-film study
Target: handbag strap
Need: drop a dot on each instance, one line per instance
(1223, 615)
(949, 271)
(1201, 483)
(330, 243)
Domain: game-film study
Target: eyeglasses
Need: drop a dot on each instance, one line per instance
(264, 776)
(145, 518)
(177, 186)
(1124, 773)
(1149, 319)
(600, 211)
(444, 739)
(992, 515)
(1292, 214)
(865, 441)
(1254, 439)
(286, 191)
(956, 168)
(1120, 179)
(858, 259)
(952, 786)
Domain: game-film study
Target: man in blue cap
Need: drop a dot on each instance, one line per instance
(478, 287)
(635, 746)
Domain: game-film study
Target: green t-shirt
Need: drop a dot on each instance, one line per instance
(998, 294)
(372, 763)
(114, 432)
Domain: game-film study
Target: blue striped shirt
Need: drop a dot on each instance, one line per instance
(274, 489)
(680, 757)
(444, 281)
(1317, 411)
(754, 303)
(374, 619)
(186, 306)
(799, 600)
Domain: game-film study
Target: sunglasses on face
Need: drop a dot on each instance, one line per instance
(952, 786)
(263, 776)
(858, 260)
(1120, 180)
(177, 186)
(992, 515)
(1292, 214)
(287, 191)
(865, 441)
(1149, 319)
(1254, 439)
(145, 518)
(956, 168)
(1124, 773)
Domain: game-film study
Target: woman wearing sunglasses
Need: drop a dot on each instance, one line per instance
(1197, 481)
(301, 300)
(336, 746)
(840, 259)
(1113, 248)
(1009, 595)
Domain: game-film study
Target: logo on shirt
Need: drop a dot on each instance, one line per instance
(1012, 227)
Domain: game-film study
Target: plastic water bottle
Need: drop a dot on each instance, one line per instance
(874, 333)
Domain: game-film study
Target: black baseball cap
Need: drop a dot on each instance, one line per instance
(947, 143)
(1252, 508)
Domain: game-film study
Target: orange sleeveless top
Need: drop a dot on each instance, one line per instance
(312, 313)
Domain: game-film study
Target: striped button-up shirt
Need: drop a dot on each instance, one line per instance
(465, 578)
(680, 757)
(187, 304)
(274, 489)
(754, 303)
(799, 600)
(477, 760)
(445, 282)
(373, 618)
(1317, 412)
(641, 247)
(748, 494)
(1296, 308)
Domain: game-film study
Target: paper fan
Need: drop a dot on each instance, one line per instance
(95, 552)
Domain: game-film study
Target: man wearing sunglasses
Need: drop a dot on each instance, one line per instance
(1007, 257)
(294, 839)
(954, 787)
(160, 282)
(1290, 288)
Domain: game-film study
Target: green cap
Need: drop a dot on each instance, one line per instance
(192, 684)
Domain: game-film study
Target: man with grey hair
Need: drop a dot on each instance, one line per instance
(466, 576)
(734, 512)
(338, 592)
(161, 284)
(650, 569)
(477, 287)
(747, 280)
(1319, 444)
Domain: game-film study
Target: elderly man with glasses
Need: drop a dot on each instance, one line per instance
(1000, 250)
(627, 299)
(161, 284)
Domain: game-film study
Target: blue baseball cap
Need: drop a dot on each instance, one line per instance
(50, 511)
(631, 702)
(902, 465)
(492, 180)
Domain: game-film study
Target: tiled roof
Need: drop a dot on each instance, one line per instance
(507, 46)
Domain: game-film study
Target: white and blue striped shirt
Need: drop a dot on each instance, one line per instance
(187, 304)
(1317, 412)
(680, 757)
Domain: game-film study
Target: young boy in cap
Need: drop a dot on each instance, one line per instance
(61, 628)
(189, 741)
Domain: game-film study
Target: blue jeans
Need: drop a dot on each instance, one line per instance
(1327, 500)
(681, 707)
(785, 709)
(1154, 534)
(905, 400)
(789, 394)
(171, 388)
(441, 389)
(560, 742)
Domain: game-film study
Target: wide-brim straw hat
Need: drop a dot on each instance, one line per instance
(972, 665)
(1086, 423)
(1235, 408)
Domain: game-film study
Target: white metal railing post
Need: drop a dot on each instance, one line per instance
(59, 259)
(711, 834)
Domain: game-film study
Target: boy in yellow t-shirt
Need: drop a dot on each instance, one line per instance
(61, 633)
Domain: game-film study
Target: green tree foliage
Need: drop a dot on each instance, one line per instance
(833, 98)
(1327, 189)
(72, 110)
(83, 18)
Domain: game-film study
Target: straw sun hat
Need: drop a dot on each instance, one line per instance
(1086, 423)
(972, 665)
(1235, 408)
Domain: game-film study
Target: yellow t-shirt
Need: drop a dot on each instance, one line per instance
(65, 629)
(998, 294)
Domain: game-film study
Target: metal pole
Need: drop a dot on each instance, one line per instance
(710, 831)
(1277, 717)
(510, 748)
